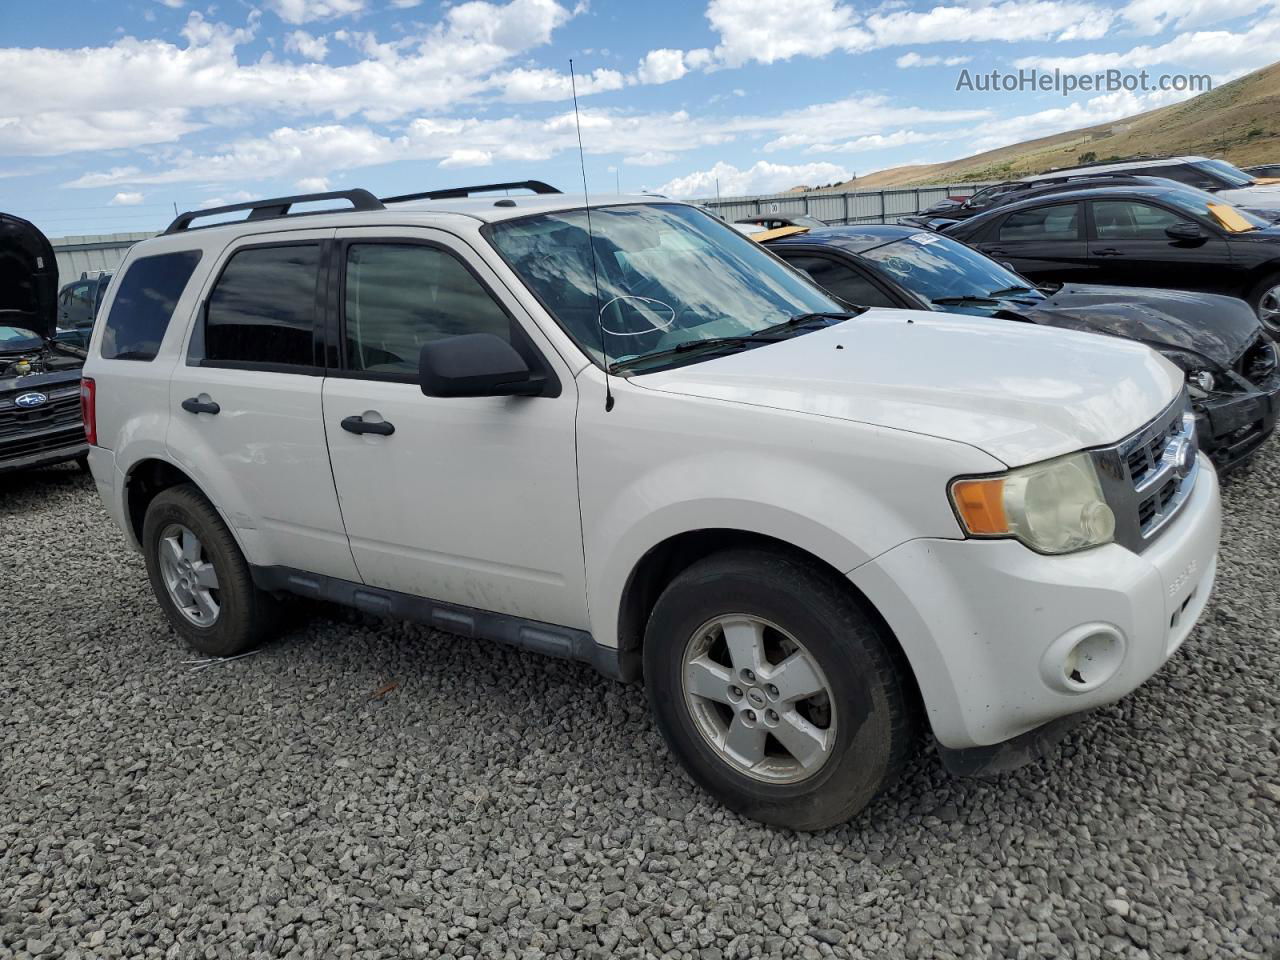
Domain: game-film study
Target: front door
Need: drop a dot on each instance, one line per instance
(1128, 245)
(473, 500)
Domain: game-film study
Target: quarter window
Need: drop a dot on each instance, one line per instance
(401, 296)
(1130, 220)
(144, 304)
(1057, 222)
(263, 308)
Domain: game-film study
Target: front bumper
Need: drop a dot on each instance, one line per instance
(1231, 427)
(994, 630)
(44, 457)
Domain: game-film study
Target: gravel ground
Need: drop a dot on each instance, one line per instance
(493, 803)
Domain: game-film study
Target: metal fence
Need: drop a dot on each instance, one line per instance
(92, 254)
(855, 206)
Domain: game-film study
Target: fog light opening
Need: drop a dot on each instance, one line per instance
(1092, 660)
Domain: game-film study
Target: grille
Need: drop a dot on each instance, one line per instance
(1160, 467)
(55, 424)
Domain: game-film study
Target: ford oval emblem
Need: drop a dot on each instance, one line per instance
(29, 401)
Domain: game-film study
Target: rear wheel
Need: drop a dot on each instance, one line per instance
(1265, 300)
(775, 690)
(201, 578)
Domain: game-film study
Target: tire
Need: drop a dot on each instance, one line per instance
(871, 714)
(1268, 312)
(245, 616)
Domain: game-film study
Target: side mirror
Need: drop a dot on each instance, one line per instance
(475, 365)
(1008, 265)
(1184, 231)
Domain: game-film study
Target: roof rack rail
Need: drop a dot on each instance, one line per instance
(456, 193)
(1135, 158)
(276, 207)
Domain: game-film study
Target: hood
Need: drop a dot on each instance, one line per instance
(1263, 197)
(1020, 392)
(1214, 327)
(28, 277)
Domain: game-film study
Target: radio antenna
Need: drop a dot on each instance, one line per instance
(591, 241)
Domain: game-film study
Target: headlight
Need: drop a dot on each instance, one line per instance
(1053, 507)
(1202, 381)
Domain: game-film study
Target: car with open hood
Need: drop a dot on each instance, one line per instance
(1176, 237)
(1229, 362)
(40, 421)
(629, 435)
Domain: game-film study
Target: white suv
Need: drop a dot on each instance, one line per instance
(809, 529)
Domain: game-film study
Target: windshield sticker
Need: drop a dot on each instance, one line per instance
(924, 238)
(1230, 218)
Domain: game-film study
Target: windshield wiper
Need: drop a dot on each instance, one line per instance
(710, 343)
(800, 319)
(1007, 291)
(960, 301)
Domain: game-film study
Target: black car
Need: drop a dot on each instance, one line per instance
(1138, 236)
(39, 377)
(1231, 366)
(78, 304)
(1265, 171)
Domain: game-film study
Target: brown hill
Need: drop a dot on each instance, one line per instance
(1239, 121)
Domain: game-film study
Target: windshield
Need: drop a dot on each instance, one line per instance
(1201, 204)
(668, 274)
(1229, 172)
(939, 268)
(14, 337)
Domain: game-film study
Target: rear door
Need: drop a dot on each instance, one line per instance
(246, 418)
(1045, 243)
(1128, 245)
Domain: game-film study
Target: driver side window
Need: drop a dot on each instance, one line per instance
(401, 296)
(843, 281)
(1130, 220)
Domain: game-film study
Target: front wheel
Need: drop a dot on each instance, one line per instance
(200, 576)
(775, 690)
(1265, 300)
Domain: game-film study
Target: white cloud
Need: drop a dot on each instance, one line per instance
(767, 31)
(528, 85)
(306, 45)
(467, 158)
(126, 199)
(152, 91)
(914, 59)
(1155, 16)
(1225, 53)
(885, 141)
(313, 184)
(240, 196)
(304, 11)
(666, 65)
(405, 4)
(173, 4)
(650, 158)
(762, 177)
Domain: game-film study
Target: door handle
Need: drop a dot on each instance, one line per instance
(1107, 252)
(196, 405)
(997, 251)
(361, 425)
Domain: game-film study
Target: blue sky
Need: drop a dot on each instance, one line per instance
(112, 113)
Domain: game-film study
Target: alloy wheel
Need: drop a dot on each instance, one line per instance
(1269, 310)
(759, 698)
(188, 575)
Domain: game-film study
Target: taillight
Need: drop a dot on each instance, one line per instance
(89, 409)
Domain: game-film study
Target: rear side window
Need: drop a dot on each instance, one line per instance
(263, 308)
(144, 304)
(845, 282)
(1058, 222)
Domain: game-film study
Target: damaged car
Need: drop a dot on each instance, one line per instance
(40, 418)
(1229, 362)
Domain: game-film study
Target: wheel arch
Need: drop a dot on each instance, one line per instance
(666, 560)
(144, 481)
